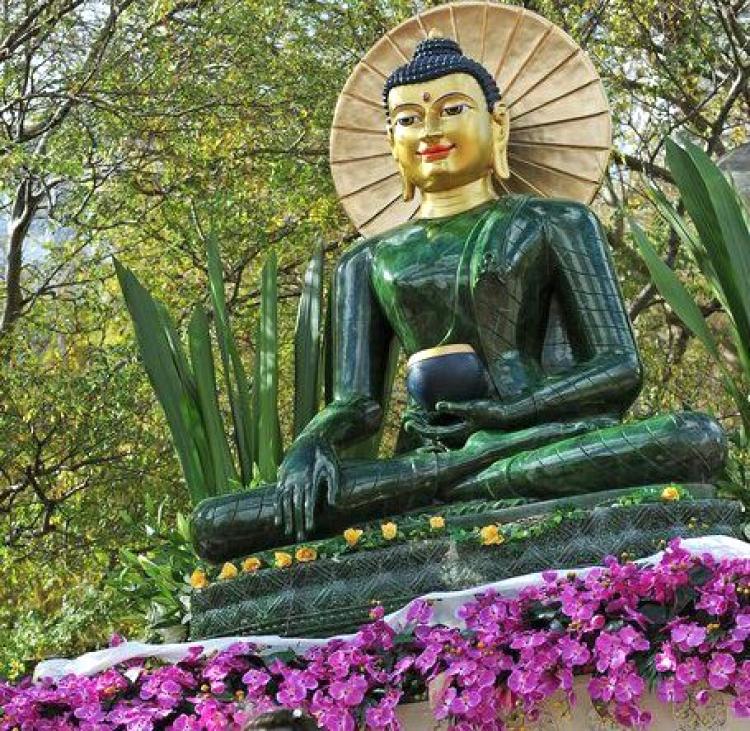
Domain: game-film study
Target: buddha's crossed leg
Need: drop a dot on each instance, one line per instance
(238, 523)
(543, 462)
(679, 447)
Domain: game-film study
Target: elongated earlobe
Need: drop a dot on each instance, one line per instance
(500, 135)
(407, 186)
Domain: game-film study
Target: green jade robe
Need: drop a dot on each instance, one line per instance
(530, 285)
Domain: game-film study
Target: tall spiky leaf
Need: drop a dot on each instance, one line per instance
(327, 350)
(673, 291)
(234, 372)
(686, 309)
(269, 447)
(254, 399)
(156, 353)
(307, 344)
(201, 356)
(714, 208)
(175, 350)
(687, 238)
(190, 404)
(728, 212)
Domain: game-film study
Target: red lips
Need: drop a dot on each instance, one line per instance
(435, 152)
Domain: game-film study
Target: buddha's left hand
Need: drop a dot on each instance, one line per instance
(470, 417)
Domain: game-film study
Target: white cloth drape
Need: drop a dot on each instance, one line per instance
(445, 605)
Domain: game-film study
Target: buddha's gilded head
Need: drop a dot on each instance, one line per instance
(446, 124)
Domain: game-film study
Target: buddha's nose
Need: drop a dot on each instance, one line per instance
(431, 130)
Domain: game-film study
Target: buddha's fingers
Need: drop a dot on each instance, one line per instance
(299, 501)
(465, 409)
(311, 502)
(278, 518)
(287, 508)
(327, 476)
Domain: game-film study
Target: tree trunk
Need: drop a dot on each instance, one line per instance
(25, 206)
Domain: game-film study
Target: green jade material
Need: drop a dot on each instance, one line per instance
(529, 284)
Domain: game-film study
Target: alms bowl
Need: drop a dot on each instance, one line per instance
(446, 373)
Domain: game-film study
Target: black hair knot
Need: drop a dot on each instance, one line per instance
(437, 57)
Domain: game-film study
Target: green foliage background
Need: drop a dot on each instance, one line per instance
(197, 98)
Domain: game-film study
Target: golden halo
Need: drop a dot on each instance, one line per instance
(560, 128)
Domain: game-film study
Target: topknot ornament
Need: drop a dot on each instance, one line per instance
(435, 57)
(437, 46)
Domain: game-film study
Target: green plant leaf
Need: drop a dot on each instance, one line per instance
(234, 373)
(307, 344)
(189, 402)
(255, 401)
(693, 244)
(686, 309)
(156, 354)
(201, 356)
(269, 447)
(714, 208)
(327, 349)
(674, 292)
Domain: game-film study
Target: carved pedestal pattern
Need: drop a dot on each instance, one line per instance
(332, 596)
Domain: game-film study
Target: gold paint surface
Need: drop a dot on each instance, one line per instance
(437, 351)
(443, 145)
(559, 144)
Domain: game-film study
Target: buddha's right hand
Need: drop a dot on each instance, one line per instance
(309, 470)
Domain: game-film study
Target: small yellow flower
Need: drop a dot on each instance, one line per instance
(670, 493)
(251, 565)
(352, 536)
(389, 531)
(490, 535)
(17, 669)
(228, 571)
(306, 553)
(282, 560)
(437, 522)
(198, 579)
(109, 691)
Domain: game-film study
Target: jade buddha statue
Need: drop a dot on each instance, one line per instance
(512, 298)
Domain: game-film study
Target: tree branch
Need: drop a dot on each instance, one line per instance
(25, 206)
(38, 18)
(642, 166)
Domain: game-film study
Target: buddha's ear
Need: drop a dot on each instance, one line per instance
(407, 186)
(389, 135)
(500, 135)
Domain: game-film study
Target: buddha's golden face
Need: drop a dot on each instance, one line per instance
(442, 135)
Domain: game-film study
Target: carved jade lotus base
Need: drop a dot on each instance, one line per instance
(334, 595)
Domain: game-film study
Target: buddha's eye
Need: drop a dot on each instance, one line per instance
(454, 110)
(407, 120)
